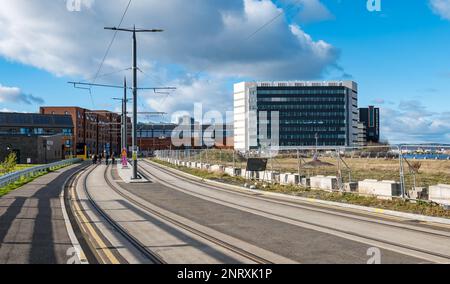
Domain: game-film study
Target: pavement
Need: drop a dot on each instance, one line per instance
(32, 226)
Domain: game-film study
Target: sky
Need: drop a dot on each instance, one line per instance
(398, 54)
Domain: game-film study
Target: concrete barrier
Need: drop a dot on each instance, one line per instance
(324, 183)
(284, 178)
(289, 179)
(351, 187)
(217, 169)
(381, 189)
(306, 182)
(268, 176)
(419, 193)
(234, 172)
(440, 194)
(249, 175)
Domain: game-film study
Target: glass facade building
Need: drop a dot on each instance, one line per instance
(306, 113)
(370, 117)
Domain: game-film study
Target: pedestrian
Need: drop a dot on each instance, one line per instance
(113, 160)
(93, 159)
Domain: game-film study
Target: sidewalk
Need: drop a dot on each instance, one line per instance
(32, 225)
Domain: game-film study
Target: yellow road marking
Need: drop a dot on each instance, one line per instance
(94, 234)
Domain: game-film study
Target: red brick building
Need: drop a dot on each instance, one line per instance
(97, 131)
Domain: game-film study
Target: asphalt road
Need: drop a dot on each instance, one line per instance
(32, 226)
(291, 231)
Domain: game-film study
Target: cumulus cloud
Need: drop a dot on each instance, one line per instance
(412, 122)
(15, 95)
(441, 8)
(216, 38)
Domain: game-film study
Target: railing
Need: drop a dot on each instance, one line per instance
(13, 177)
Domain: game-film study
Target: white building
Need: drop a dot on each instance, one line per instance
(325, 113)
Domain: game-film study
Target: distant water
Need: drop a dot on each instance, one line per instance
(427, 157)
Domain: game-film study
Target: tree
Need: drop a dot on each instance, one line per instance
(10, 163)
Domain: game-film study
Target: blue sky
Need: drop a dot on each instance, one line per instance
(398, 56)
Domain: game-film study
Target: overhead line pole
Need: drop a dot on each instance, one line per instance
(135, 175)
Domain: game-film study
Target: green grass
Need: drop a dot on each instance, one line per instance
(422, 208)
(19, 168)
(23, 181)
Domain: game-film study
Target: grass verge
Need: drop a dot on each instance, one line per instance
(23, 181)
(421, 208)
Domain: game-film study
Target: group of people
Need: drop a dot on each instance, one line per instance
(98, 159)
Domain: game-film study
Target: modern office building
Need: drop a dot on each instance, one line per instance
(36, 138)
(308, 113)
(370, 117)
(362, 134)
(94, 131)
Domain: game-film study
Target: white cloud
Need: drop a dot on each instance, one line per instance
(190, 92)
(201, 36)
(414, 123)
(441, 8)
(15, 95)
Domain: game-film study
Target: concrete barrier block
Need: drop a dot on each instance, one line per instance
(419, 193)
(381, 189)
(440, 194)
(217, 169)
(293, 179)
(232, 171)
(351, 187)
(306, 182)
(284, 178)
(324, 183)
(289, 179)
(268, 176)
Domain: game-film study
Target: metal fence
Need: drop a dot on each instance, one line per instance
(414, 168)
(16, 176)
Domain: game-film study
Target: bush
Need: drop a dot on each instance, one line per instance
(9, 164)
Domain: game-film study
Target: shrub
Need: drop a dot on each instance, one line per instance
(10, 163)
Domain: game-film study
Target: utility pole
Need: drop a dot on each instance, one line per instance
(135, 88)
(125, 116)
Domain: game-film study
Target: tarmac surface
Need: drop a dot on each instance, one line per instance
(32, 225)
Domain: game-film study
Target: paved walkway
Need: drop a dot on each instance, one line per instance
(32, 226)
